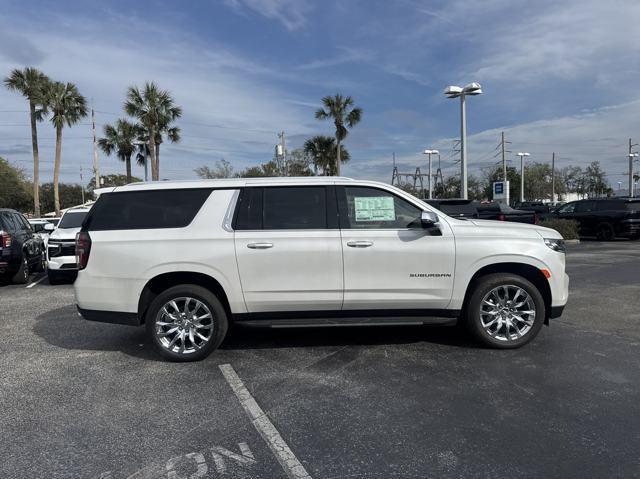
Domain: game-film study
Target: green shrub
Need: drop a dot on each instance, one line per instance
(567, 228)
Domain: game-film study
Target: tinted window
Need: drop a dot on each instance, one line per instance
(584, 206)
(6, 223)
(38, 227)
(568, 208)
(289, 208)
(132, 210)
(371, 208)
(249, 209)
(72, 219)
(608, 205)
(24, 224)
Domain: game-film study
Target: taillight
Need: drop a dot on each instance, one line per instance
(5, 239)
(83, 248)
(500, 217)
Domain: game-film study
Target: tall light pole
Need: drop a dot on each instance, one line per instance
(522, 155)
(632, 157)
(430, 152)
(455, 92)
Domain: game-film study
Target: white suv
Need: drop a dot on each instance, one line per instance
(188, 258)
(61, 246)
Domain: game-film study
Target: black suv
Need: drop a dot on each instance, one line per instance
(21, 251)
(604, 218)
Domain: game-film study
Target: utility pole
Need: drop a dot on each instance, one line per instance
(504, 160)
(283, 153)
(96, 164)
(553, 177)
(632, 157)
(82, 185)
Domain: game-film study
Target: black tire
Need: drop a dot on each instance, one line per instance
(605, 232)
(22, 275)
(219, 321)
(482, 287)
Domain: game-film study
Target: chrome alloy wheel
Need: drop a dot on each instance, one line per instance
(507, 313)
(184, 325)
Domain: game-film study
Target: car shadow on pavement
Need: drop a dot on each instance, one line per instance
(243, 337)
(63, 328)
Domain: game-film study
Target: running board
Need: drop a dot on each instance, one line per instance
(342, 322)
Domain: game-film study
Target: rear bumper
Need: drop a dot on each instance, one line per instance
(113, 317)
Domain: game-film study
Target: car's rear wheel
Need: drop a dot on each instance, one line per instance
(504, 311)
(22, 276)
(605, 232)
(186, 323)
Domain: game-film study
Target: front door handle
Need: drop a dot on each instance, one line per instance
(359, 244)
(260, 245)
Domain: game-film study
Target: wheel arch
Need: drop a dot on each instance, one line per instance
(162, 282)
(527, 271)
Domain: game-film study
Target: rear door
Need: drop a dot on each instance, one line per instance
(585, 214)
(288, 248)
(390, 261)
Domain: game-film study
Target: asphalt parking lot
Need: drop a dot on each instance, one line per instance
(89, 400)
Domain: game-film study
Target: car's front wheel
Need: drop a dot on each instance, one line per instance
(504, 311)
(186, 323)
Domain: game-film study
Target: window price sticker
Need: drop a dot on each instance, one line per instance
(375, 208)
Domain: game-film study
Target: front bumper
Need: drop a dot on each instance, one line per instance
(67, 263)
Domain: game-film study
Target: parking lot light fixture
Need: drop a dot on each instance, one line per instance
(430, 152)
(453, 91)
(522, 155)
(632, 157)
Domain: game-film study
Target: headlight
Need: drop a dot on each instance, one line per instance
(555, 244)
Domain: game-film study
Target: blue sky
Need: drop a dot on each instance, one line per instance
(557, 75)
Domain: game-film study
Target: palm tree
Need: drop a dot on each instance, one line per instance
(171, 132)
(324, 152)
(121, 139)
(32, 83)
(155, 109)
(67, 107)
(344, 115)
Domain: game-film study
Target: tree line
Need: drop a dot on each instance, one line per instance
(153, 109)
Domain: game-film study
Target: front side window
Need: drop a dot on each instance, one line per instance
(584, 206)
(372, 208)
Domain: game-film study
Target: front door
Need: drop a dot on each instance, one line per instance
(288, 249)
(390, 261)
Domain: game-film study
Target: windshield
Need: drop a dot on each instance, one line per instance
(72, 220)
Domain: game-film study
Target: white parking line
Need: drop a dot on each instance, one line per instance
(31, 285)
(264, 426)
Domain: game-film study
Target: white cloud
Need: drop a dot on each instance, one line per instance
(291, 13)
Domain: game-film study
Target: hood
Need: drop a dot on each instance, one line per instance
(504, 229)
(64, 234)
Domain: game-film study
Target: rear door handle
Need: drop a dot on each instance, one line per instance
(260, 245)
(359, 244)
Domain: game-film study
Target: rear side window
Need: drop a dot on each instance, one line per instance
(292, 208)
(609, 205)
(131, 210)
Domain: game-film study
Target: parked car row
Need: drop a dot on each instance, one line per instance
(458, 208)
(21, 250)
(33, 245)
(604, 218)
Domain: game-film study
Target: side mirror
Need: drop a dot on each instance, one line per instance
(428, 219)
(49, 227)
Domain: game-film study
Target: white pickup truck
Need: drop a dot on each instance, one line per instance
(186, 258)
